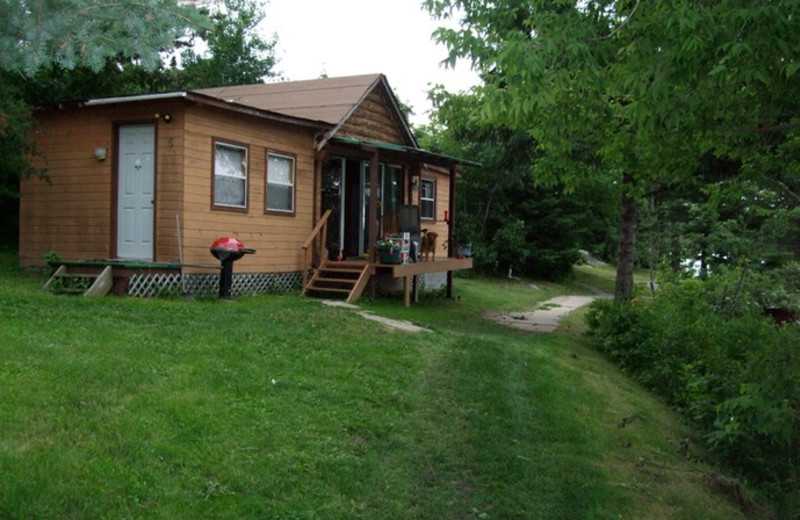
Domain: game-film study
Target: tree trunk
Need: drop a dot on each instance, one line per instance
(623, 289)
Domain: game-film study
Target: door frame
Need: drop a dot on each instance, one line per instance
(115, 179)
(333, 224)
(359, 210)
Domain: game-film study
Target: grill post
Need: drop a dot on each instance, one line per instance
(228, 250)
(226, 278)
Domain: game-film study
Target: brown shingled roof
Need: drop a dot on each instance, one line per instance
(328, 99)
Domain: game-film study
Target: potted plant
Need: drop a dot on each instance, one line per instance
(464, 250)
(389, 252)
(460, 249)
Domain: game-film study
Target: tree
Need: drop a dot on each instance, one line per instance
(642, 91)
(67, 48)
(514, 224)
(71, 33)
(236, 55)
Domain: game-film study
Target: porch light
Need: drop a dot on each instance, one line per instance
(414, 183)
(101, 153)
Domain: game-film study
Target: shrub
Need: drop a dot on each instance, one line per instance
(707, 348)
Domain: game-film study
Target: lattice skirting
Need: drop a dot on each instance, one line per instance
(207, 285)
(427, 282)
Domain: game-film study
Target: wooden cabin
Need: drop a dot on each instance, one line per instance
(307, 173)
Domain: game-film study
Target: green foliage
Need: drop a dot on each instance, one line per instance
(708, 349)
(15, 152)
(645, 92)
(236, 55)
(112, 50)
(725, 219)
(15, 125)
(119, 76)
(69, 49)
(277, 407)
(388, 245)
(513, 221)
(73, 33)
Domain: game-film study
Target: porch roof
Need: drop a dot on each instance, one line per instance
(403, 152)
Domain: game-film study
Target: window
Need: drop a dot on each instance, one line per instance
(427, 199)
(280, 183)
(230, 175)
(392, 189)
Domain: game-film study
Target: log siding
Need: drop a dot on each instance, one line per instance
(375, 120)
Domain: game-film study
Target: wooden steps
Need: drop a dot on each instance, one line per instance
(65, 281)
(339, 278)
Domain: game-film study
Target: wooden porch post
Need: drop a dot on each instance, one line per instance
(319, 158)
(451, 225)
(319, 162)
(372, 214)
(414, 170)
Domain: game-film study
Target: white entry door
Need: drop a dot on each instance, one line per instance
(136, 192)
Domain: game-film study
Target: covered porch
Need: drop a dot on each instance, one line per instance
(410, 272)
(364, 188)
(349, 278)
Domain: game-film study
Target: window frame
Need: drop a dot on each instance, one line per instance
(386, 191)
(281, 212)
(432, 183)
(234, 145)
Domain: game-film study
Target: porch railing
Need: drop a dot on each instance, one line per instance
(315, 246)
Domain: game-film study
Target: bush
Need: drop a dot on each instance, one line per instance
(708, 349)
(511, 248)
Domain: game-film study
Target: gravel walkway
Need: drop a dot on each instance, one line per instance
(547, 316)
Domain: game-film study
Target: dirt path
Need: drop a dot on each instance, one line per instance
(547, 316)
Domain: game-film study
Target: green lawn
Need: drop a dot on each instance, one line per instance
(277, 407)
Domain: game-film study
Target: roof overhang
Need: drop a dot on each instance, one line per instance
(131, 99)
(205, 100)
(401, 152)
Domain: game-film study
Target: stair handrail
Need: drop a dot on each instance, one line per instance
(317, 237)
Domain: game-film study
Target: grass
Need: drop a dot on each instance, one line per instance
(277, 407)
(602, 277)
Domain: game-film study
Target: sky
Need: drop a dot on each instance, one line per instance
(349, 37)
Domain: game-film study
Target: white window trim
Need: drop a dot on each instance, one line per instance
(219, 142)
(278, 183)
(432, 182)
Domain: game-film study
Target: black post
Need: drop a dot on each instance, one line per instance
(226, 278)
(451, 226)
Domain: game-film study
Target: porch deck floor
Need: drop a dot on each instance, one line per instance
(416, 268)
(116, 262)
(409, 272)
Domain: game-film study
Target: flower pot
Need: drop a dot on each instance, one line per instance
(464, 251)
(390, 256)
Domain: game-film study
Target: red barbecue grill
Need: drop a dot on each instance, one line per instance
(228, 250)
